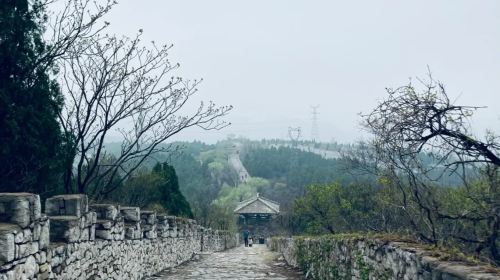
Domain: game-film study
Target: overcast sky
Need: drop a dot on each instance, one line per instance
(273, 59)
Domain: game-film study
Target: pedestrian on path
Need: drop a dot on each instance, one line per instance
(246, 233)
(250, 241)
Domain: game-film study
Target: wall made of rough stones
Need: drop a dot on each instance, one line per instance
(75, 240)
(342, 257)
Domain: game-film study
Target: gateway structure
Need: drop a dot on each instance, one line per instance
(256, 215)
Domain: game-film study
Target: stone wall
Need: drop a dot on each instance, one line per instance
(348, 257)
(75, 240)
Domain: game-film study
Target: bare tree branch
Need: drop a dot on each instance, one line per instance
(419, 137)
(116, 85)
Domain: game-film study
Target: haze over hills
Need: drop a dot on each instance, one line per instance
(278, 169)
(351, 118)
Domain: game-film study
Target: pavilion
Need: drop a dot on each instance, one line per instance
(256, 215)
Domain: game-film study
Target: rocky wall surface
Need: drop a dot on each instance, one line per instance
(75, 240)
(342, 257)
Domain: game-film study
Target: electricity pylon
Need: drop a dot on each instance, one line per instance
(314, 126)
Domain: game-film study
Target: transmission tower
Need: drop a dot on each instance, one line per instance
(294, 134)
(314, 126)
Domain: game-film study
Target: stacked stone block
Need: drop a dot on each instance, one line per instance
(181, 226)
(172, 223)
(199, 231)
(217, 240)
(192, 228)
(132, 222)
(70, 218)
(148, 224)
(207, 243)
(109, 224)
(75, 240)
(24, 232)
(162, 226)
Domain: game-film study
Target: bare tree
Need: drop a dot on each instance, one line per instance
(420, 136)
(113, 84)
(67, 22)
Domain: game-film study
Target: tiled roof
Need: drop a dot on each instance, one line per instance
(257, 205)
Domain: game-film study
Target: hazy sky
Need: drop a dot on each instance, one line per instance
(273, 59)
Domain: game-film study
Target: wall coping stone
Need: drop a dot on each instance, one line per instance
(63, 244)
(405, 260)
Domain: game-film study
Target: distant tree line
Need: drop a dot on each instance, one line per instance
(291, 171)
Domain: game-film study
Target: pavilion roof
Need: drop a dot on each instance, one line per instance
(257, 205)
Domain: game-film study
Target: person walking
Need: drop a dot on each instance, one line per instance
(246, 233)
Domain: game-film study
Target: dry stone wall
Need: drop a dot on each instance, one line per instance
(347, 257)
(75, 240)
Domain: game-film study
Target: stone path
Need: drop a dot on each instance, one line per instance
(255, 262)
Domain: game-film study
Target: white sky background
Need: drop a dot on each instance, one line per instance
(273, 59)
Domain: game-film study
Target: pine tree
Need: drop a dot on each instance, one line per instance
(30, 100)
(171, 197)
